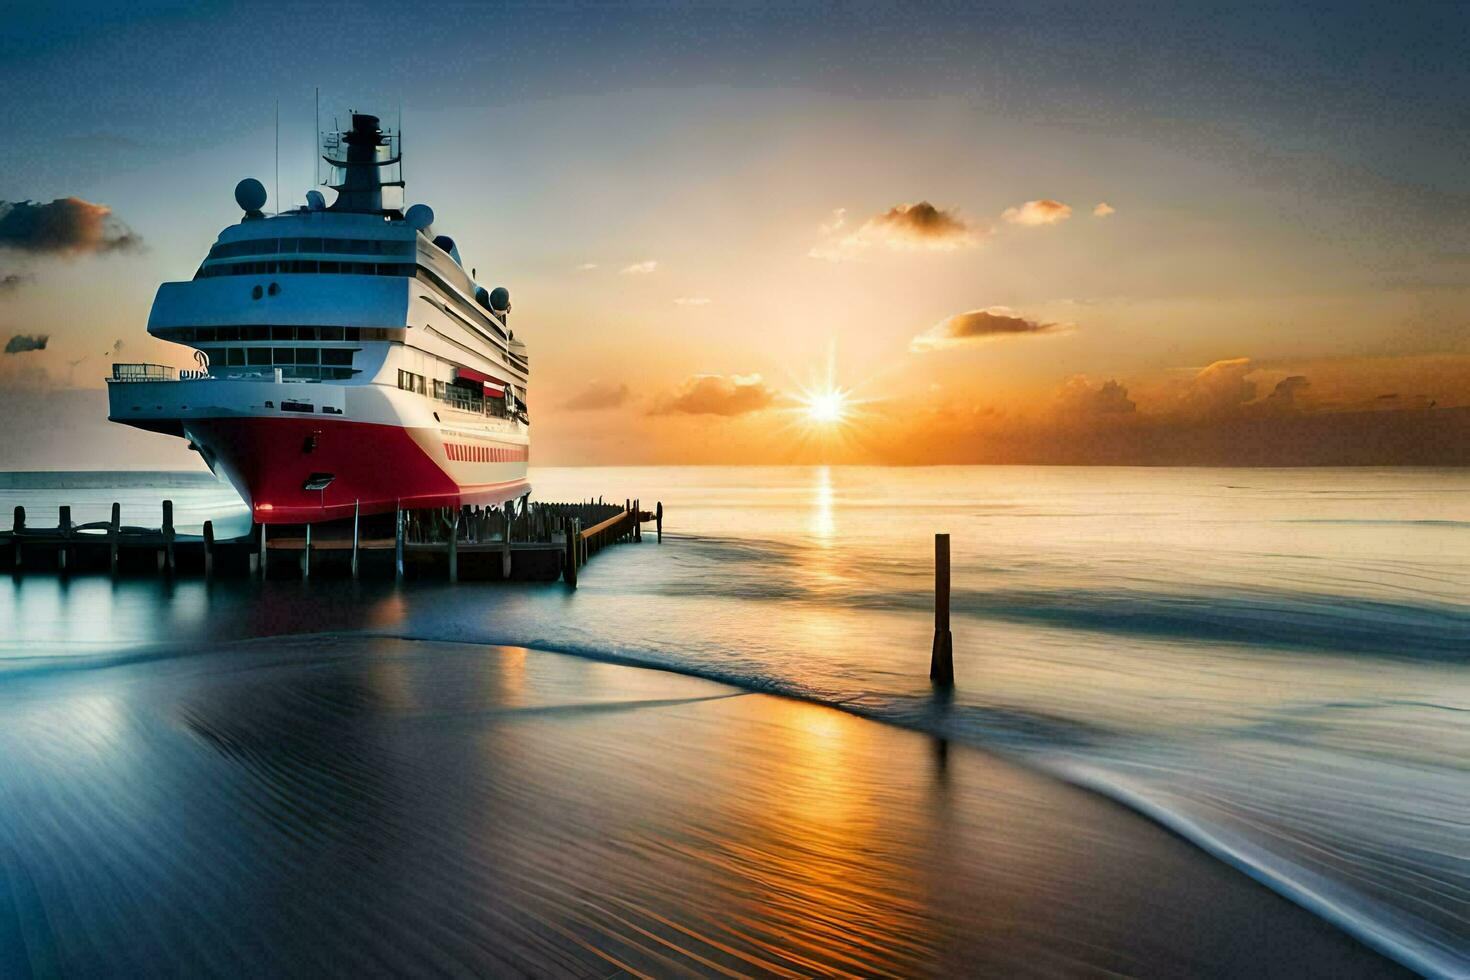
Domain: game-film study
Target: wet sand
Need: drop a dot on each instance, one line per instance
(308, 806)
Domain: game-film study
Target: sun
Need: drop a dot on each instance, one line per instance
(827, 407)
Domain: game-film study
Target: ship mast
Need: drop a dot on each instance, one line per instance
(361, 186)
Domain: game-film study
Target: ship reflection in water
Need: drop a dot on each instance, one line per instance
(347, 804)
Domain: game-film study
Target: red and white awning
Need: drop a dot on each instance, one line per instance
(494, 387)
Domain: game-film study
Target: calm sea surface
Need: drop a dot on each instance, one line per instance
(1274, 663)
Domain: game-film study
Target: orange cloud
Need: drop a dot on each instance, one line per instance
(1078, 398)
(1103, 209)
(1219, 387)
(979, 325)
(66, 226)
(717, 394)
(901, 227)
(1034, 213)
(1285, 392)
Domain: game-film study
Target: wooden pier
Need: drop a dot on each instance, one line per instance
(522, 541)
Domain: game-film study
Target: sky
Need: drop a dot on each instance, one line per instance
(785, 233)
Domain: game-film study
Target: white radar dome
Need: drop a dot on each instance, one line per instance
(419, 217)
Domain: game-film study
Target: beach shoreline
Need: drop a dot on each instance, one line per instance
(381, 803)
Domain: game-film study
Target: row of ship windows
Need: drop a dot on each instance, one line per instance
(353, 334)
(404, 269)
(293, 372)
(340, 246)
(262, 356)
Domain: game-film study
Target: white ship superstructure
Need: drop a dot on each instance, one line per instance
(347, 360)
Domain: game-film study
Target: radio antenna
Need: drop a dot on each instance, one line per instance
(278, 156)
(316, 141)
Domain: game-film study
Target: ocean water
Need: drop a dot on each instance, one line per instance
(1273, 663)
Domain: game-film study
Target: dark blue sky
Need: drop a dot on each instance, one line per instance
(1385, 86)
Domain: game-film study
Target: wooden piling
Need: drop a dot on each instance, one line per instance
(264, 563)
(454, 547)
(638, 521)
(505, 547)
(114, 528)
(941, 660)
(17, 527)
(356, 512)
(398, 545)
(569, 567)
(306, 555)
(658, 517)
(63, 524)
(168, 536)
(209, 549)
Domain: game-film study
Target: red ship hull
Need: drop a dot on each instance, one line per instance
(373, 468)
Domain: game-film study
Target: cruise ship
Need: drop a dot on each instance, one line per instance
(346, 360)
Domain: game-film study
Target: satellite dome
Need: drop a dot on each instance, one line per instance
(482, 296)
(250, 195)
(500, 299)
(316, 201)
(419, 217)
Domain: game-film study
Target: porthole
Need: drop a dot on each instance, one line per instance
(256, 292)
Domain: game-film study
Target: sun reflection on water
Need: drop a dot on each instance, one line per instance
(822, 524)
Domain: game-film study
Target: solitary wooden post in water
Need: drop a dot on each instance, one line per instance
(168, 536)
(63, 524)
(658, 517)
(306, 554)
(941, 661)
(209, 549)
(114, 524)
(16, 527)
(262, 553)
